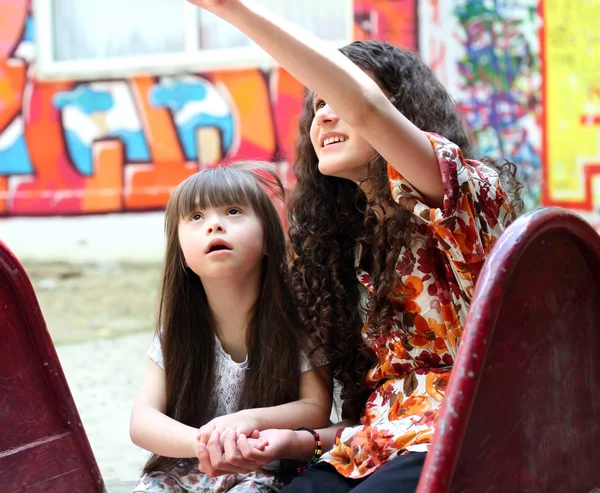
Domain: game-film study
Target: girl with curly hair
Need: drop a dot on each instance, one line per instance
(391, 220)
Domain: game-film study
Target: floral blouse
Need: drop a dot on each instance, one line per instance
(437, 277)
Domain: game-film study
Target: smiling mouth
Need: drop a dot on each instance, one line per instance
(334, 140)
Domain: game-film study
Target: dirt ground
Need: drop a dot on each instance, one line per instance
(85, 302)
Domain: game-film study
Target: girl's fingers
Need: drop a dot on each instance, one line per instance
(235, 458)
(204, 464)
(204, 433)
(259, 444)
(217, 459)
(251, 453)
(224, 434)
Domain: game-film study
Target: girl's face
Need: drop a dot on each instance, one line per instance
(222, 242)
(341, 151)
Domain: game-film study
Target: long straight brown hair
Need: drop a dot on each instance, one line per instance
(185, 325)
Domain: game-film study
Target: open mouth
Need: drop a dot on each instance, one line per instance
(218, 246)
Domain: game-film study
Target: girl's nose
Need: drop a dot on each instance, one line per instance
(215, 225)
(325, 114)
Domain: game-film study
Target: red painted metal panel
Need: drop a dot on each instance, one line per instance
(43, 445)
(522, 408)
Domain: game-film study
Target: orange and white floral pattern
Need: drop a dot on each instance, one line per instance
(437, 276)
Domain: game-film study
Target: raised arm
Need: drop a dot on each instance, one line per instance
(355, 97)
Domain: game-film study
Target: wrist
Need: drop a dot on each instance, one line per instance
(302, 446)
(251, 417)
(192, 444)
(229, 10)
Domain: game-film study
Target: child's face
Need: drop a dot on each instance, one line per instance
(348, 155)
(341, 151)
(222, 242)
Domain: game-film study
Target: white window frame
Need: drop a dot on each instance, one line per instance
(193, 59)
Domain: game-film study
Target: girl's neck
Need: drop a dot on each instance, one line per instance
(231, 302)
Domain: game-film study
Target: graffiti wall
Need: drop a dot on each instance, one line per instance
(122, 145)
(572, 111)
(488, 54)
(525, 75)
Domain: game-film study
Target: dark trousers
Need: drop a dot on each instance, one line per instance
(400, 475)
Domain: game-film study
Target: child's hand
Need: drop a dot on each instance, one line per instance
(215, 459)
(266, 446)
(240, 423)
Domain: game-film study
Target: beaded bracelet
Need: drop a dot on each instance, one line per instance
(318, 449)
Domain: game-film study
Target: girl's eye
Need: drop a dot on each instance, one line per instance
(233, 211)
(196, 217)
(319, 103)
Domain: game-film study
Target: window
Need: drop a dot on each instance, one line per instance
(88, 39)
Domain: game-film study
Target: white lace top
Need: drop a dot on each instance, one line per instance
(229, 376)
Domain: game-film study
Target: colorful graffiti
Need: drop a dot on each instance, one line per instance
(122, 145)
(74, 147)
(572, 110)
(394, 21)
(492, 68)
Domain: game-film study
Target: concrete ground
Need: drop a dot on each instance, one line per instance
(104, 376)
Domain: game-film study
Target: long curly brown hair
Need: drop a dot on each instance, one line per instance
(330, 216)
